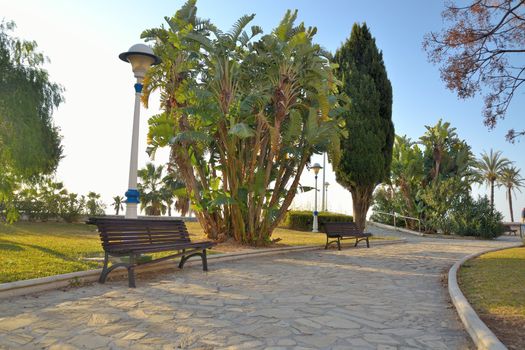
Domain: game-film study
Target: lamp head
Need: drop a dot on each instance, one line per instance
(141, 57)
(326, 183)
(316, 167)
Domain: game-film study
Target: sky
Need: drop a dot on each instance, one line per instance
(83, 40)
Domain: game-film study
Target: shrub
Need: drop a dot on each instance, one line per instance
(303, 220)
(476, 218)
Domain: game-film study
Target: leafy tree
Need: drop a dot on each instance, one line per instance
(429, 179)
(489, 168)
(175, 192)
(482, 49)
(242, 117)
(118, 204)
(150, 189)
(94, 206)
(367, 151)
(511, 179)
(30, 144)
(407, 173)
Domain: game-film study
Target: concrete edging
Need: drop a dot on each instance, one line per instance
(481, 335)
(35, 285)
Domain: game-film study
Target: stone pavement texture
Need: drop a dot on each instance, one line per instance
(385, 297)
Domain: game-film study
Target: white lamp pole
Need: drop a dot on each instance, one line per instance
(141, 58)
(316, 167)
(323, 206)
(326, 184)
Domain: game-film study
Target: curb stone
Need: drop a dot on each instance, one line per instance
(35, 285)
(481, 335)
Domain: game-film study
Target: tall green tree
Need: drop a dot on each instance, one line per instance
(511, 179)
(118, 204)
(151, 190)
(242, 116)
(489, 168)
(30, 143)
(367, 151)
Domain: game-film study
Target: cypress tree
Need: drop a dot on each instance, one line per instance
(367, 150)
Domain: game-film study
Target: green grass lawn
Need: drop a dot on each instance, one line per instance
(494, 284)
(31, 250)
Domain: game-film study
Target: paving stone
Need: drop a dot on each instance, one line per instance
(385, 297)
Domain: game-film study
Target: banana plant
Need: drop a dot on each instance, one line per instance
(242, 114)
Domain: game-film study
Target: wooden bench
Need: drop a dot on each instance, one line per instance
(344, 230)
(509, 229)
(133, 237)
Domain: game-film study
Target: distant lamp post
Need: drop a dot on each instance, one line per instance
(141, 58)
(326, 184)
(316, 167)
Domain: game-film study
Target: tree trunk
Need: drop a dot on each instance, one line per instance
(361, 198)
(509, 193)
(492, 195)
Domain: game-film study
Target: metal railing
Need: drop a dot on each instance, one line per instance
(396, 215)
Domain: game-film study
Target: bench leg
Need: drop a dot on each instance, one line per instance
(131, 271)
(204, 260)
(356, 241)
(339, 243)
(367, 243)
(326, 246)
(104, 273)
(187, 257)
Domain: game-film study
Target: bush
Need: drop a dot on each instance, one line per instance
(476, 218)
(303, 220)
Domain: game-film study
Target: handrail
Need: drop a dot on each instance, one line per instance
(396, 215)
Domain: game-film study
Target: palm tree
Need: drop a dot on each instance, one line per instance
(511, 179)
(489, 168)
(118, 204)
(151, 194)
(437, 139)
(175, 189)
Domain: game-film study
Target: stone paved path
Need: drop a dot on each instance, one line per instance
(385, 297)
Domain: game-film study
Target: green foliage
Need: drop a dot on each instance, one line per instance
(118, 204)
(476, 218)
(302, 220)
(242, 113)
(30, 144)
(94, 206)
(432, 181)
(367, 151)
(49, 200)
(151, 190)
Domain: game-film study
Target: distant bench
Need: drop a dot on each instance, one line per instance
(339, 231)
(132, 237)
(509, 229)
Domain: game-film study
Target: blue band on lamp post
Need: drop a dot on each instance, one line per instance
(138, 88)
(316, 213)
(132, 196)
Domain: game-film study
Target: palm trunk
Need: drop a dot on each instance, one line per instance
(509, 193)
(492, 195)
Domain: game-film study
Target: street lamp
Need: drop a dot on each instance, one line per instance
(141, 58)
(316, 167)
(326, 184)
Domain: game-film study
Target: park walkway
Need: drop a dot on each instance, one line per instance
(385, 297)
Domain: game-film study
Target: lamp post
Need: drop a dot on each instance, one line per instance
(323, 206)
(141, 58)
(326, 184)
(316, 167)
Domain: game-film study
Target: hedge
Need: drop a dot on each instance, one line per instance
(303, 220)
